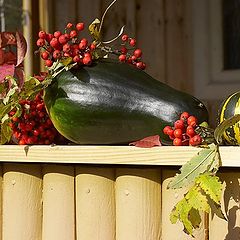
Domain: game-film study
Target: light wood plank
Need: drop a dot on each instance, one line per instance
(170, 198)
(1, 187)
(22, 202)
(166, 155)
(58, 203)
(230, 229)
(138, 204)
(95, 203)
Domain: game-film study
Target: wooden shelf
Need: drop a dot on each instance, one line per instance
(166, 155)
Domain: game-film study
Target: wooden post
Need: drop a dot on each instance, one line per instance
(22, 202)
(230, 229)
(58, 203)
(138, 204)
(95, 203)
(169, 198)
(1, 180)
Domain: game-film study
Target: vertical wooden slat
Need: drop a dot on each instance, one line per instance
(138, 204)
(22, 202)
(58, 203)
(150, 35)
(230, 229)
(64, 13)
(1, 181)
(178, 44)
(169, 200)
(95, 203)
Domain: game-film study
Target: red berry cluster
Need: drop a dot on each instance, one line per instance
(183, 132)
(34, 125)
(68, 44)
(135, 56)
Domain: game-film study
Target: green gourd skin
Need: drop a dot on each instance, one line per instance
(115, 103)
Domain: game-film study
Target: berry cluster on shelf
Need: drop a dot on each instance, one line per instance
(70, 44)
(183, 132)
(33, 126)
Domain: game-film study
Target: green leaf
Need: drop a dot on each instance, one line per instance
(94, 30)
(181, 213)
(6, 132)
(211, 186)
(194, 218)
(223, 126)
(197, 200)
(197, 165)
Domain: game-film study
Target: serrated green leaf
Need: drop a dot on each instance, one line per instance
(223, 126)
(6, 132)
(197, 200)
(211, 186)
(181, 213)
(197, 165)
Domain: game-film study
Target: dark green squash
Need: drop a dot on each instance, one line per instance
(115, 103)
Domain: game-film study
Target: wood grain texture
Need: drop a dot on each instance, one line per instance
(178, 44)
(58, 202)
(230, 229)
(167, 155)
(138, 204)
(1, 187)
(95, 203)
(170, 198)
(22, 202)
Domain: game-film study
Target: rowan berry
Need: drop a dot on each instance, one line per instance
(69, 25)
(40, 42)
(132, 42)
(177, 142)
(42, 35)
(192, 121)
(137, 53)
(48, 62)
(184, 116)
(80, 26)
(124, 37)
(195, 140)
(179, 124)
(57, 34)
(56, 54)
(54, 43)
(45, 55)
(73, 34)
(87, 60)
(122, 58)
(178, 133)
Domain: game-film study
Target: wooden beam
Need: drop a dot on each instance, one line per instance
(124, 155)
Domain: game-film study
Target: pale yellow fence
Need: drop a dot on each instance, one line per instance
(104, 193)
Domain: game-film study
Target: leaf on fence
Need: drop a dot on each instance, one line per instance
(197, 165)
(211, 186)
(223, 126)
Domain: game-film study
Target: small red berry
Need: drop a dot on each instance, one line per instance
(45, 55)
(73, 34)
(179, 124)
(77, 59)
(57, 34)
(137, 53)
(66, 48)
(48, 63)
(177, 142)
(56, 54)
(62, 39)
(54, 43)
(42, 35)
(190, 131)
(122, 58)
(87, 60)
(132, 42)
(166, 129)
(184, 116)
(40, 42)
(124, 37)
(92, 46)
(49, 37)
(192, 121)
(178, 133)
(196, 140)
(124, 50)
(80, 26)
(140, 65)
(22, 142)
(83, 44)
